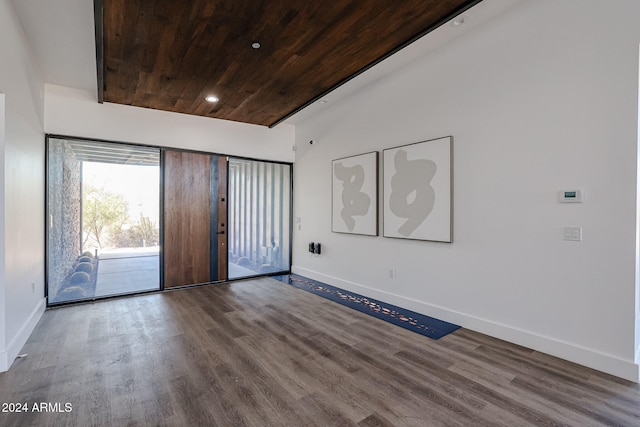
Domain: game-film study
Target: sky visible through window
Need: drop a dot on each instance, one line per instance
(139, 187)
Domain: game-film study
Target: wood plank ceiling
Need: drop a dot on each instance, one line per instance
(169, 55)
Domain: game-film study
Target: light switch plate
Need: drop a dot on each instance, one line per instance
(572, 234)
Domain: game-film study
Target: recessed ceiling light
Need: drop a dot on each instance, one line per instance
(322, 101)
(458, 21)
(255, 45)
(212, 98)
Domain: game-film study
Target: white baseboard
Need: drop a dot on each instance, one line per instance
(571, 352)
(8, 355)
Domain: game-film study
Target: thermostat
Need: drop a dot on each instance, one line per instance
(570, 196)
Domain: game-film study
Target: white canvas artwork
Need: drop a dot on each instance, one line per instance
(355, 194)
(418, 192)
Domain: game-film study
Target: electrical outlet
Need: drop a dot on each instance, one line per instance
(33, 286)
(392, 273)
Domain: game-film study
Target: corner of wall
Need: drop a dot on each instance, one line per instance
(10, 353)
(2, 116)
(2, 225)
(637, 257)
(21, 189)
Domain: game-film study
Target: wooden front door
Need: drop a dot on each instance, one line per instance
(194, 218)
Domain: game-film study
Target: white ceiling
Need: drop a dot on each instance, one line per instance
(61, 34)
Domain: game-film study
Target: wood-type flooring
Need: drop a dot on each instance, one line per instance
(263, 353)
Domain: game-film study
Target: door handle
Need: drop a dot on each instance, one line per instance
(220, 232)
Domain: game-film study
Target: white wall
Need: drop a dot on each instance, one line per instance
(22, 190)
(3, 354)
(637, 296)
(542, 98)
(74, 112)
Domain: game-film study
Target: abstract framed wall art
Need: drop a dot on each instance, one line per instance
(354, 205)
(418, 191)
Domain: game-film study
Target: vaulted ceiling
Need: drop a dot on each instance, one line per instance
(170, 55)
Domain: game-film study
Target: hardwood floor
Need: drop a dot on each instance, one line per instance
(262, 353)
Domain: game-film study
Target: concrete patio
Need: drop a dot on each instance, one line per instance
(129, 270)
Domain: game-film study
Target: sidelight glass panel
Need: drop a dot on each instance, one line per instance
(259, 217)
(104, 216)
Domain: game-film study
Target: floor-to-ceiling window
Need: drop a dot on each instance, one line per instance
(109, 234)
(103, 219)
(259, 217)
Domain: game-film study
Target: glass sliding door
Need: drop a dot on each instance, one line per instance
(103, 219)
(259, 217)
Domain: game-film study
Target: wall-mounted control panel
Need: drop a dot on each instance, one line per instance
(571, 196)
